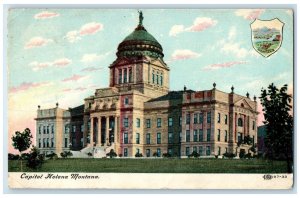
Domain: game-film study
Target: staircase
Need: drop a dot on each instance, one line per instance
(97, 151)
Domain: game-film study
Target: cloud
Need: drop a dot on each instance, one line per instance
(63, 62)
(25, 86)
(200, 24)
(75, 77)
(223, 65)
(37, 42)
(67, 90)
(249, 14)
(46, 15)
(80, 88)
(87, 29)
(90, 69)
(87, 58)
(234, 48)
(184, 54)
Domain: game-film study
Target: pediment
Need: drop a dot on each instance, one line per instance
(242, 102)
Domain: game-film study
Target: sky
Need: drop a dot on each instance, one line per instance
(62, 55)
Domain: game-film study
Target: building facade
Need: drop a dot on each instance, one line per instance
(138, 114)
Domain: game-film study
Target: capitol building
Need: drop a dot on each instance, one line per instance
(138, 115)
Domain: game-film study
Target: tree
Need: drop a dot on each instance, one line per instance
(35, 159)
(279, 123)
(22, 141)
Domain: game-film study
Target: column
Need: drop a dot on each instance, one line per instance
(107, 130)
(115, 129)
(92, 132)
(99, 131)
(127, 69)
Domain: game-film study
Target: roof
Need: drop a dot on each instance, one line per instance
(172, 95)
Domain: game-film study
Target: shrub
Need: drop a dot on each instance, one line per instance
(194, 154)
(229, 155)
(138, 155)
(13, 157)
(35, 159)
(66, 154)
(248, 156)
(111, 153)
(155, 154)
(120, 155)
(242, 153)
(90, 154)
(52, 156)
(25, 156)
(166, 155)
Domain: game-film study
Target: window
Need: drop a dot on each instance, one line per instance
(208, 117)
(148, 123)
(201, 118)
(187, 151)
(219, 150)
(240, 122)
(147, 152)
(200, 135)
(253, 125)
(138, 122)
(225, 119)
(125, 138)
(66, 142)
(40, 145)
(201, 150)
(170, 151)
(52, 142)
(225, 139)
(158, 152)
(48, 142)
(125, 122)
(253, 139)
(126, 101)
(153, 78)
(161, 80)
(148, 138)
(208, 150)
(219, 118)
(66, 128)
(208, 135)
(188, 118)
(157, 79)
(137, 138)
(52, 129)
(130, 75)
(125, 152)
(195, 149)
(81, 128)
(170, 122)
(40, 129)
(125, 76)
(180, 120)
(195, 137)
(180, 137)
(170, 138)
(219, 135)
(74, 128)
(89, 125)
(81, 142)
(158, 122)
(120, 76)
(47, 129)
(44, 142)
(240, 137)
(187, 136)
(226, 151)
(158, 139)
(195, 118)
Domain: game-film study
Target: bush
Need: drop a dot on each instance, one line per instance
(248, 156)
(229, 155)
(194, 154)
(66, 154)
(52, 156)
(25, 156)
(111, 153)
(242, 153)
(90, 154)
(166, 155)
(155, 154)
(13, 157)
(138, 155)
(35, 159)
(120, 155)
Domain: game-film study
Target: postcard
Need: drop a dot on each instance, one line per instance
(150, 98)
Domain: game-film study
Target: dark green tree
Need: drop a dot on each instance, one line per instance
(22, 141)
(279, 123)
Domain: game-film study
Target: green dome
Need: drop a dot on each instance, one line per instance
(140, 43)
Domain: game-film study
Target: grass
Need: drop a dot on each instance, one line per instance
(155, 166)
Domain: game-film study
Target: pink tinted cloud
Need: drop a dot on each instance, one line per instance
(80, 89)
(67, 90)
(25, 86)
(90, 69)
(37, 42)
(62, 62)
(184, 54)
(75, 77)
(90, 28)
(249, 14)
(223, 65)
(202, 23)
(46, 15)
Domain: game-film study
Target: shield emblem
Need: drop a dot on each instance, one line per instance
(266, 36)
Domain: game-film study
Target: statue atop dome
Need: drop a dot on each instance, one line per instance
(141, 18)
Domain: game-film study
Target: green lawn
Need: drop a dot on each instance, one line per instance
(155, 166)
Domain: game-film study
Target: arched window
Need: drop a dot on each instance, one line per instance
(240, 122)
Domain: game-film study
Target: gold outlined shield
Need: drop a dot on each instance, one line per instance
(267, 36)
